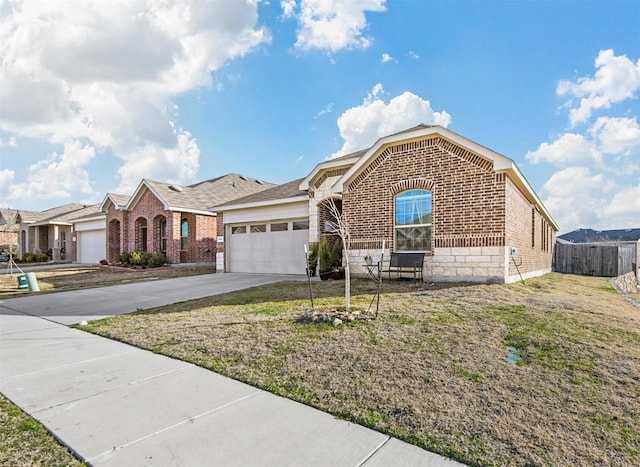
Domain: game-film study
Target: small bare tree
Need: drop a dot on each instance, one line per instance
(340, 226)
(13, 229)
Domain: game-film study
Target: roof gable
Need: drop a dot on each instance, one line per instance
(450, 142)
(118, 201)
(200, 196)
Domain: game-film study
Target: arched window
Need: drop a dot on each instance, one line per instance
(412, 221)
(184, 234)
(163, 235)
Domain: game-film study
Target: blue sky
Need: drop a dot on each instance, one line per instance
(96, 95)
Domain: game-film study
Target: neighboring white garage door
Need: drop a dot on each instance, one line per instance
(91, 246)
(275, 247)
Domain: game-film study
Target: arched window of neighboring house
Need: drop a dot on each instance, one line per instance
(412, 220)
(163, 235)
(141, 234)
(184, 234)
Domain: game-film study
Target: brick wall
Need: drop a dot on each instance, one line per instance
(528, 231)
(468, 198)
(124, 231)
(477, 214)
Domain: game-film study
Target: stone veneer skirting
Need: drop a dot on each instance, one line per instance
(472, 264)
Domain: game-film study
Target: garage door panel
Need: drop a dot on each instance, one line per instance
(91, 246)
(268, 252)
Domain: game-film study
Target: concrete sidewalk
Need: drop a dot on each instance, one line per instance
(114, 404)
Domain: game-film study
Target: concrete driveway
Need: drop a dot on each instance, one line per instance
(114, 404)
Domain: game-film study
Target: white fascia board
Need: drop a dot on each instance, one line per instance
(326, 165)
(107, 198)
(103, 205)
(134, 197)
(80, 220)
(192, 211)
(53, 222)
(260, 204)
(522, 183)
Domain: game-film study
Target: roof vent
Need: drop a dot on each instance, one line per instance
(177, 188)
(259, 182)
(242, 177)
(599, 231)
(627, 230)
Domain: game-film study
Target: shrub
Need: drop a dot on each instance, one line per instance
(325, 254)
(35, 257)
(336, 253)
(143, 259)
(124, 257)
(157, 260)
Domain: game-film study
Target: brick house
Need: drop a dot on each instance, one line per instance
(425, 189)
(166, 218)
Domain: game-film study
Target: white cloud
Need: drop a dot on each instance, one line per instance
(597, 187)
(334, 24)
(568, 150)
(624, 208)
(574, 196)
(327, 110)
(6, 183)
(362, 125)
(386, 58)
(170, 164)
(288, 8)
(11, 142)
(59, 175)
(617, 78)
(105, 73)
(617, 135)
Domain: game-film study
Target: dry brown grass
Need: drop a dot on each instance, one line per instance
(73, 278)
(431, 369)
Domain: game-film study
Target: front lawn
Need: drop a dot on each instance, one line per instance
(432, 368)
(25, 442)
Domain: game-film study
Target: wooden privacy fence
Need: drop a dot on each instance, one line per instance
(594, 260)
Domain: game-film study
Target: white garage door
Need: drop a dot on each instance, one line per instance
(275, 247)
(91, 246)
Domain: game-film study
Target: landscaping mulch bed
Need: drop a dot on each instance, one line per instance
(432, 369)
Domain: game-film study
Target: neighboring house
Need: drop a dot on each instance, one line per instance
(88, 235)
(171, 219)
(426, 189)
(47, 230)
(628, 238)
(8, 229)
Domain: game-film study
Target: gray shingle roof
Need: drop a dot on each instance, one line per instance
(85, 213)
(120, 200)
(200, 196)
(59, 214)
(286, 190)
(601, 236)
